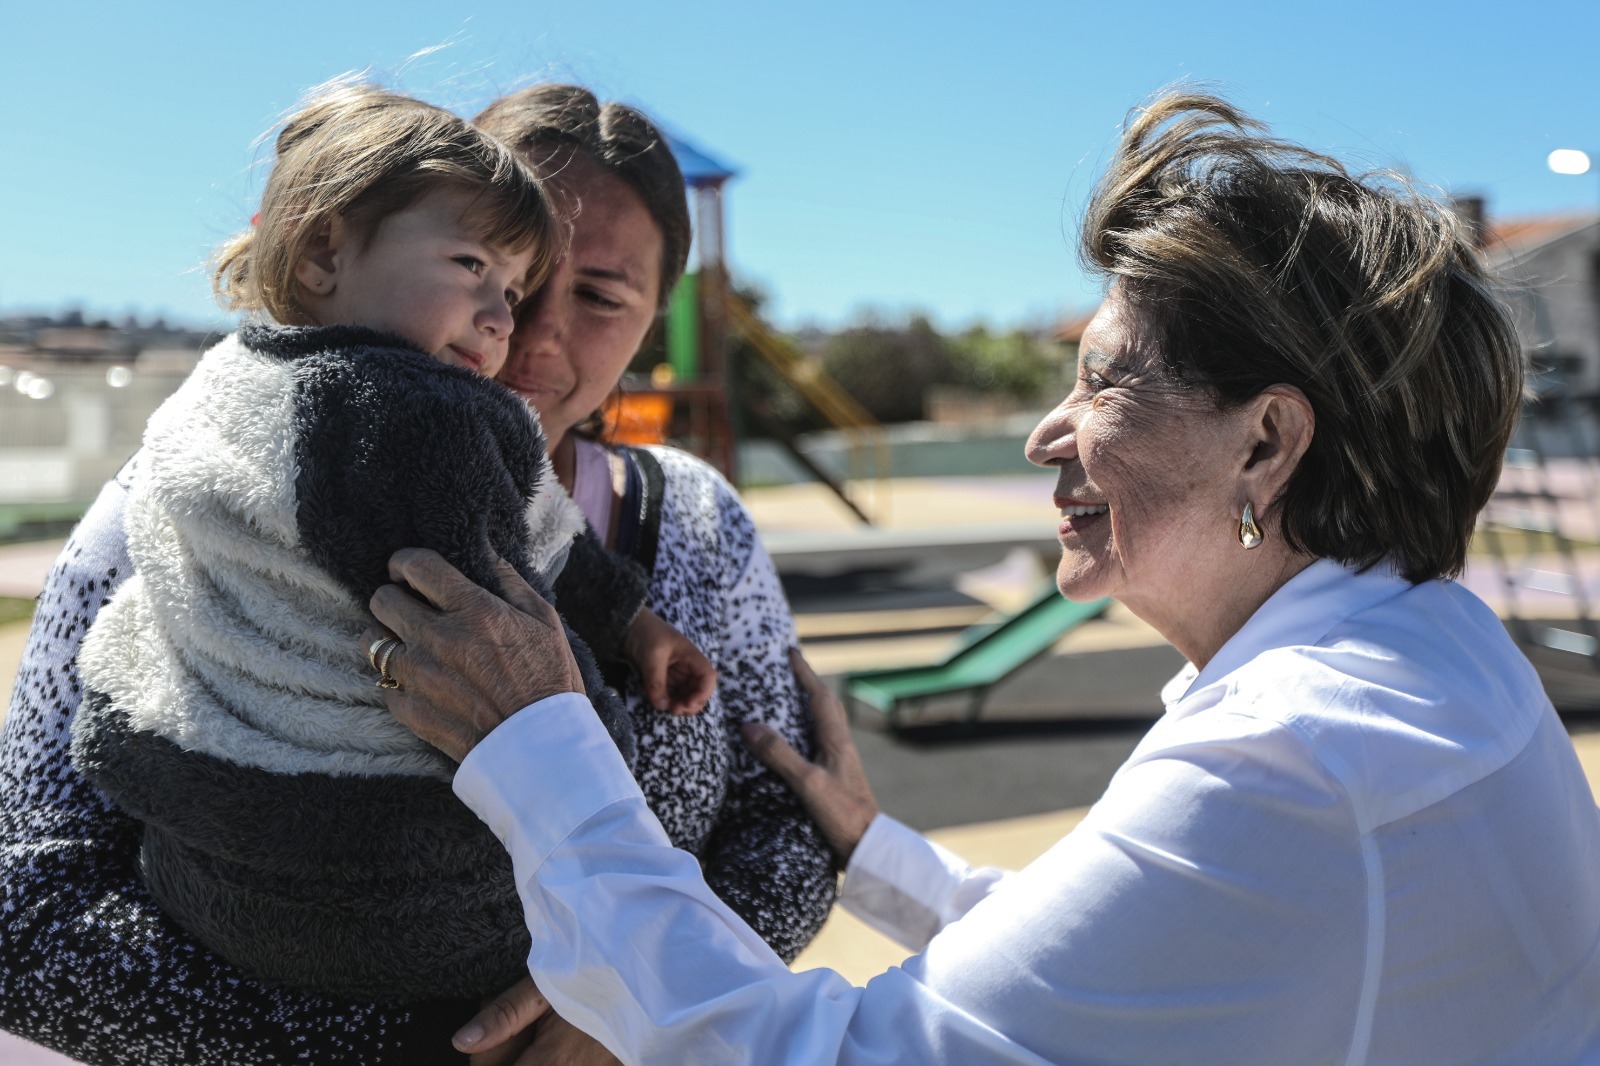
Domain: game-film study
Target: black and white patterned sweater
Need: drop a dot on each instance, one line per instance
(90, 966)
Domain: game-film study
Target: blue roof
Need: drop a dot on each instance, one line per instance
(698, 168)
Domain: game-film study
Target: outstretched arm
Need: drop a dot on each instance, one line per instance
(1182, 922)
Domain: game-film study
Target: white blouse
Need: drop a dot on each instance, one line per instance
(1359, 835)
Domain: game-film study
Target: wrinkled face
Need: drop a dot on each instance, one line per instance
(428, 278)
(1148, 484)
(576, 335)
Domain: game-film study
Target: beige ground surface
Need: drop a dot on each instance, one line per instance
(906, 503)
(859, 952)
(23, 567)
(12, 638)
(1115, 629)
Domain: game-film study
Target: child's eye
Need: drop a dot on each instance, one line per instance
(513, 297)
(472, 263)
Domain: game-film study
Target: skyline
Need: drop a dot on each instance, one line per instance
(895, 156)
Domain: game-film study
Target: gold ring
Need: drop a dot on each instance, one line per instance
(372, 652)
(385, 653)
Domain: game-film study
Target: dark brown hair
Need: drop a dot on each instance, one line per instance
(549, 118)
(362, 153)
(1259, 262)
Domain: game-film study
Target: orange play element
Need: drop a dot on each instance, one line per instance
(638, 418)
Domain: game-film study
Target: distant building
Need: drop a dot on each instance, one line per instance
(1069, 334)
(1549, 268)
(85, 342)
(74, 399)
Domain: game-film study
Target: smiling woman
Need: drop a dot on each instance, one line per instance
(617, 186)
(1149, 493)
(1359, 833)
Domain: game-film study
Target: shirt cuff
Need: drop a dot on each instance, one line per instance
(542, 773)
(898, 881)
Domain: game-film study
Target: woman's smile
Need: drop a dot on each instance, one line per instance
(533, 391)
(1077, 517)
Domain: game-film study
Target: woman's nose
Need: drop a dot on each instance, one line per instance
(1054, 440)
(540, 325)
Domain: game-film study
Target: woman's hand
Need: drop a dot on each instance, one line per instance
(469, 660)
(517, 1028)
(834, 789)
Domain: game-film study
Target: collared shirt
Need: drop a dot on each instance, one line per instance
(1359, 835)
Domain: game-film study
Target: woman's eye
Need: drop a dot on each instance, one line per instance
(471, 262)
(1093, 382)
(599, 299)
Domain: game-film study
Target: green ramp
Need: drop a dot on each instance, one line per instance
(986, 654)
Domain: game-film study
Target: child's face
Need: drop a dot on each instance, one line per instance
(424, 276)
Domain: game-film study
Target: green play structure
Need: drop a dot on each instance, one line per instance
(704, 317)
(986, 654)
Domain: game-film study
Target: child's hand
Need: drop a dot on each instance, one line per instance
(675, 675)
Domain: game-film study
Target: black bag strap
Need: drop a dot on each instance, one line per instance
(639, 516)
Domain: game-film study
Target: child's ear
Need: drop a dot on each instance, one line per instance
(318, 269)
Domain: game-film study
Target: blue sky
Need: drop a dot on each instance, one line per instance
(893, 155)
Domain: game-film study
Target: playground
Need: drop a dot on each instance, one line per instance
(989, 711)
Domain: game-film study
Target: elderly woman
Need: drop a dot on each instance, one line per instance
(1358, 835)
(90, 966)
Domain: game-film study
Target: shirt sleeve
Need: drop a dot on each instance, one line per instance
(1210, 909)
(89, 965)
(907, 887)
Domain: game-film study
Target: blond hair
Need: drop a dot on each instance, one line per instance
(362, 153)
(1260, 262)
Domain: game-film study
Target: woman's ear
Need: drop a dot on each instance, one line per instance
(1282, 426)
(318, 268)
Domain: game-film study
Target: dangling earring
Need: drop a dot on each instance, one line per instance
(1249, 532)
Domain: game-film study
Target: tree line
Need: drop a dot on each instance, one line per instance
(890, 367)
